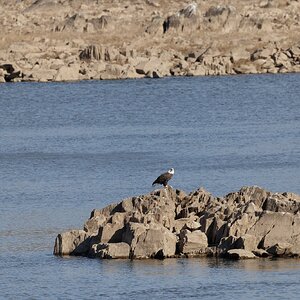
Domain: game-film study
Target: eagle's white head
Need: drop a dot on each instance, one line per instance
(171, 171)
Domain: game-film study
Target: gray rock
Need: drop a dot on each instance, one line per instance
(154, 242)
(192, 243)
(281, 249)
(240, 254)
(251, 219)
(261, 253)
(74, 242)
(248, 242)
(110, 250)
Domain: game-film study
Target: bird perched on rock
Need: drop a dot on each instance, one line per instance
(164, 178)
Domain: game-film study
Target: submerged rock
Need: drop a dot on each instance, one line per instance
(252, 222)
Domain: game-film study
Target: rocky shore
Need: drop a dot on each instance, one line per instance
(66, 40)
(249, 223)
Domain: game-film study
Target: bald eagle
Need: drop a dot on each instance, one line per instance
(164, 178)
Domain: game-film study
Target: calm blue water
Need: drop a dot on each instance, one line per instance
(67, 148)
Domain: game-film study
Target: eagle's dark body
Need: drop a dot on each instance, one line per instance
(164, 178)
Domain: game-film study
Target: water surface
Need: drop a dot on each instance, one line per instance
(67, 148)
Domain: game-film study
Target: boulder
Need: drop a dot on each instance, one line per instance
(192, 243)
(110, 250)
(277, 227)
(261, 253)
(221, 17)
(110, 233)
(10, 73)
(43, 75)
(74, 242)
(226, 244)
(93, 224)
(153, 242)
(191, 224)
(281, 249)
(92, 52)
(243, 66)
(240, 254)
(68, 73)
(155, 26)
(184, 19)
(153, 67)
(247, 242)
(282, 203)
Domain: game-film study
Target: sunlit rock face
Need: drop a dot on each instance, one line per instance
(171, 223)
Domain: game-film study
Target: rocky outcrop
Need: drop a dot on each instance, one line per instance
(250, 223)
(81, 40)
(183, 20)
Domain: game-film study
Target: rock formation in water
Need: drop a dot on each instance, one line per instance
(51, 40)
(249, 223)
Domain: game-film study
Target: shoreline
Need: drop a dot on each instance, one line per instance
(53, 41)
(18, 79)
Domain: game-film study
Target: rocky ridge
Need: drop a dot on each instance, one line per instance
(249, 223)
(64, 40)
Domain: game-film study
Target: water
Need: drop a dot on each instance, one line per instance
(67, 148)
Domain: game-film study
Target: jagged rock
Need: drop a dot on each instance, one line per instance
(43, 75)
(151, 66)
(156, 26)
(68, 73)
(281, 249)
(282, 203)
(82, 23)
(92, 52)
(110, 250)
(100, 23)
(110, 233)
(8, 68)
(184, 18)
(240, 254)
(93, 224)
(76, 22)
(239, 53)
(248, 242)
(44, 6)
(251, 219)
(192, 243)
(261, 253)
(156, 242)
(226, 244)
(222, 17)
(152, 3)
(112, 71)
(74, 242)
(2, 73)
(243, 66)
(277, 227)
(9, 73)
(191, 224)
